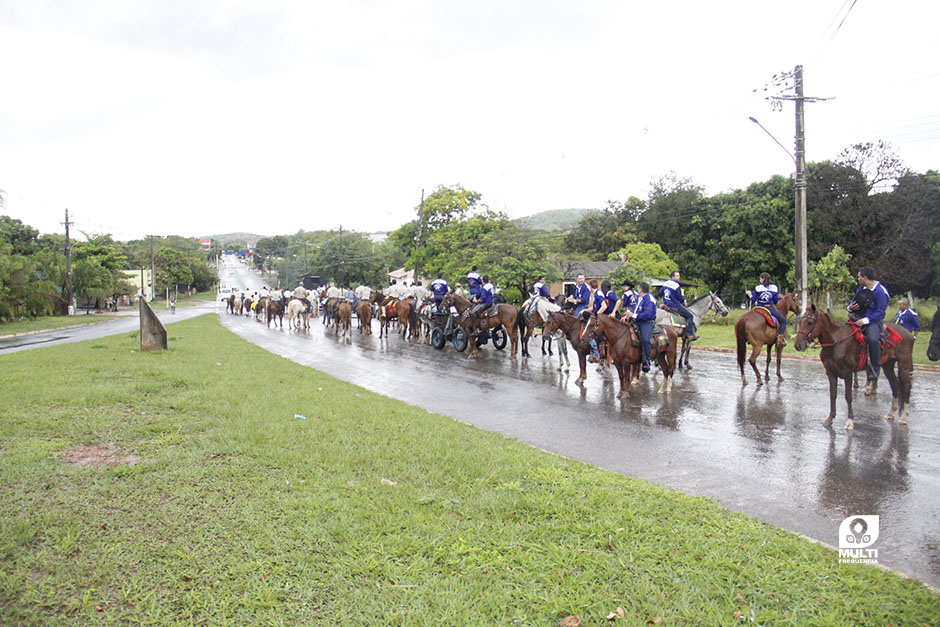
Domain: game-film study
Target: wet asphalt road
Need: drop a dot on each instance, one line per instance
(759, 450)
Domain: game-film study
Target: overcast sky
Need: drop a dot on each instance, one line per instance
(196, 117)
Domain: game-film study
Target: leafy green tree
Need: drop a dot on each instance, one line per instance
(21, 237)
(103, 249)
(268, 250)
(643, 260)
(91, 280)
(173, 269)
(672, 204)
(600, 234)
(830, 273)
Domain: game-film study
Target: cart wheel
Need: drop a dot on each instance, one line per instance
(499, 338)
(437, 338)
(460, 339)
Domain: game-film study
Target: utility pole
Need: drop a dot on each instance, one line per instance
(340, 278)
(418, 237)
(801, 267)
(153, 272)
(802, 263)
(68, 264)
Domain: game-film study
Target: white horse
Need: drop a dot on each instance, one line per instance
(297, 313)
(699, 307)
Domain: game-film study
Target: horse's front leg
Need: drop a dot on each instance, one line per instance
(833, 390)
(623, 375)
(779, 355)
(582, 364)
(755, 353)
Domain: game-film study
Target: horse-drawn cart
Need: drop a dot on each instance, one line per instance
(446, 327)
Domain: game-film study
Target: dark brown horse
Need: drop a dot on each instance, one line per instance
(344, 318)
(933, 349)
(625, 355)
(571, 327)
(506, 315)
(840, 356)
(364, 313)
(752, 328)
(533, 314)
(274, 311)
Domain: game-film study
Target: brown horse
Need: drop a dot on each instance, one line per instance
(625, 355)
(571, 327)
(506, 315)
(364, 313)
(344, 318)
(752, 328)
(840, 356)
(274, 310)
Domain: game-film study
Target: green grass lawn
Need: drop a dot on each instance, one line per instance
(366, 511)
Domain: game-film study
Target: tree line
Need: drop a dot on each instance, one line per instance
(33, 268)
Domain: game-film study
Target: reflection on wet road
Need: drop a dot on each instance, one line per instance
(759, 450)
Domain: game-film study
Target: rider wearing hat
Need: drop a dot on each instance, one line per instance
(629, 298)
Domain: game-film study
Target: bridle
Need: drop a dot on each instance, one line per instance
(814, 318)
(596, 320)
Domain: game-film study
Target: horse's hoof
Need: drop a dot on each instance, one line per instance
(567, 370)
(558, 369)
(889, 415)
(849, 425)
(827, 422)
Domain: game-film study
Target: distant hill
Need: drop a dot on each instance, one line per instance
(554, 219)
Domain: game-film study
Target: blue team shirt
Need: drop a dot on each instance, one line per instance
(671, 292)
(629, 299)
(540, 289)
(439, 288)
(645, 308)
(611, 299)
(876, 311)
(487, 293)
(598, 301)
(765, 295)
(582, 294)
(474, 283)
(908, 319)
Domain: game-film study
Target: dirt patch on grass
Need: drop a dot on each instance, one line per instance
(98, 455)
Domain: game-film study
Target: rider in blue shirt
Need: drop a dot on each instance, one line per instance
(539, 288)
(873, 316)
(671, 293)
(629, 297)
(644, 313)
(474, 283)
(767, 294)
(907, 317)
(580, 297)
(439, 288)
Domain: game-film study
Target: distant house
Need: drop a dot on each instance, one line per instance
(599, 270)
(402, 274)
(205, 243)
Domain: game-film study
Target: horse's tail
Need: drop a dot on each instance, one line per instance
(740, 334)
(520, 322)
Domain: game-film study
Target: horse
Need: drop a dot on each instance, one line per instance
(272, 310)
(297, 314)
(260, 307)
(752, 328)
(364, 313)
(699, 307)
(236, 305)
(840, 356)
(230, 304)
(506, 315)
(533, 313)
(933, 349)
(550, 329)
(344, 318)
(571, 328)
(424, 319)
(625, 355)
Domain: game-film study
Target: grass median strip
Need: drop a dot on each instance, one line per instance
(179, 486)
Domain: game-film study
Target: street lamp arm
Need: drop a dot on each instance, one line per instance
(789, 154)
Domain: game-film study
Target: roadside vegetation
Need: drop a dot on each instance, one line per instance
(217, 483)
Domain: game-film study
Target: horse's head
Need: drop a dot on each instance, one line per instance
(933, 349)
(788, 303)
(717, 304)
(807, 330)
(448, 300)
(590, 328)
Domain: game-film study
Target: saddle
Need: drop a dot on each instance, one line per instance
(888, 339)
(767, 316)
(677, 320)
(658, 339)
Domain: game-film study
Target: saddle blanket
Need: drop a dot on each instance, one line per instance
(888, 338)
(769, 317)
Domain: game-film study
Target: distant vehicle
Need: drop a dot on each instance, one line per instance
(224, 294)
